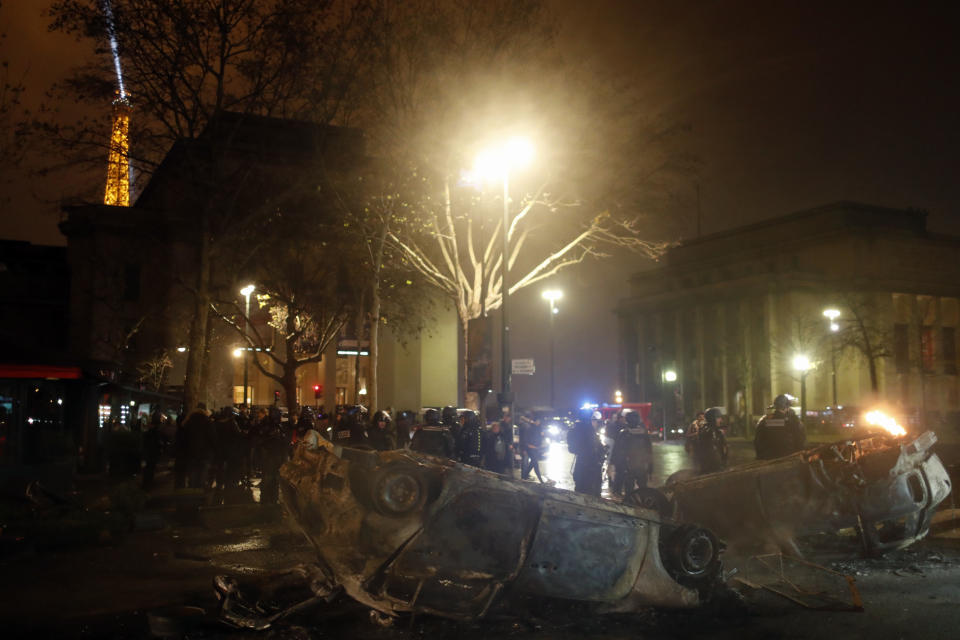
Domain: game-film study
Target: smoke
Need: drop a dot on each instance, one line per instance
(114, 49)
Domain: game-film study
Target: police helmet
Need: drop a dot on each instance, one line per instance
(597, 416)
(632, 418)
(782, 402)
(431, 417)
(449, 415)
(712, 415)
(381, 416)
(470, 418)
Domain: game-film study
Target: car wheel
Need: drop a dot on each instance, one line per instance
(398, 490)
(692, 555)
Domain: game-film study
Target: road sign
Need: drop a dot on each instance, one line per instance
(523, 367)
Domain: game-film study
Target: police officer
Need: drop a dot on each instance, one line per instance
(351, 431)
(451, 421)
(273, 444)
(584, 441)
(471, 439)
(632, 455)
(382, 436)
(432, 437)
(709, 444)
(779, 433)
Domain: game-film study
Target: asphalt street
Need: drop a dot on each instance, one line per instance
(158, 579)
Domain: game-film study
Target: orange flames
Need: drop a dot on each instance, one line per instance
(880, 419)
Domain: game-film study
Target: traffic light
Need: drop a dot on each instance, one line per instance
(276, 396)
(318, 391)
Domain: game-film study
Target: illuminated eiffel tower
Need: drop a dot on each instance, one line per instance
(117, 192)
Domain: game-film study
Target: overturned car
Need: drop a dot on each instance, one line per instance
(885, 487)
(405, 532)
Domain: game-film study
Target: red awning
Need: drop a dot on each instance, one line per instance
(40, 371)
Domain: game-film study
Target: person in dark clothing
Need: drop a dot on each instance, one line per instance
(351, 430)
(471, 440)
(404, 423)
(450, 420)
(433, 438)
(274, 447)
(709, 444)
(382, 437)
(584, 442)
(779, 433)
(532, 442)
(497, 450)
(632, 455)
(198, 440)
(231, 454)
(151, 449)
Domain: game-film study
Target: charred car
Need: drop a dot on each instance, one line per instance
(403, 532)
(884, 487)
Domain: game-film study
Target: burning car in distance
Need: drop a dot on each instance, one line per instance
(884, 483)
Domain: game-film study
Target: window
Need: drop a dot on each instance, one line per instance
(901, 348)
(948, 340)
(927, 354)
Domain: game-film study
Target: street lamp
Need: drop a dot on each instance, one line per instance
(245, 292)
(551, 296)
(802, 364)
(495, 163)
(666, 376)
(832, 315)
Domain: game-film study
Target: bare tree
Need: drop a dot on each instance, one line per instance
(864, 333)
(153, 370)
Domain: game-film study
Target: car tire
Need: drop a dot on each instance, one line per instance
(398, 490)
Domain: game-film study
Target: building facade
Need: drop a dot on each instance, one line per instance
(732, 318)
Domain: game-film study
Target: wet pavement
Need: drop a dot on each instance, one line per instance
(137, 585)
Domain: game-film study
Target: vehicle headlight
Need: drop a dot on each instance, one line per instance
(554, 430)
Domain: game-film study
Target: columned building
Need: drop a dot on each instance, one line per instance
(729, 319)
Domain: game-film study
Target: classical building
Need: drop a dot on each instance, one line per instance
(731, 319)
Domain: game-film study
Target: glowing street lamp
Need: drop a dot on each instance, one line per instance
(670, 376)
(551, 296)
(245, 292)
(495, 164)
(802, 364)
(832, 315)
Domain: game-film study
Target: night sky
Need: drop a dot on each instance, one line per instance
(790, 105)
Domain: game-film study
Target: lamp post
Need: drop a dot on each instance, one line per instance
(551, 296)
(495, 163)
(832, 315)
(667, 376)
(802, 364)
(245, 292)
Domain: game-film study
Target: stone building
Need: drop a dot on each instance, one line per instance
(723, 319)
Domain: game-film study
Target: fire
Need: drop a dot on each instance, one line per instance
(880, 419)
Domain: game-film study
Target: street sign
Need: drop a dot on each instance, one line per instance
(523, 367)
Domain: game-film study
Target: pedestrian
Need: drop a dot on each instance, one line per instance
(497, 450)
(532, 441)
(471, 439)
(404, 422)
(584, 442)
(198, 435)
(779, 433)
(151, 449)
(432, 437)
(382, 436)
(709, 445)
(632, 455)
(691, 434)
(274, 450)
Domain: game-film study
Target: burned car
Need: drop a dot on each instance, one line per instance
(403, 532)
(885, 487)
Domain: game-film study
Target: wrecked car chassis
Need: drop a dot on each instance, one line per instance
(403, 532)
(886, 488)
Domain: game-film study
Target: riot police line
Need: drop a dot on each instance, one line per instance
(223, 453)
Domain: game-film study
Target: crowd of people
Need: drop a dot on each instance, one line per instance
(222, 453)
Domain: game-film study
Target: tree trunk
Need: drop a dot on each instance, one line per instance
(465, 372)
(872, 363)
(290, 390)
(373, 395)
(197, 353)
